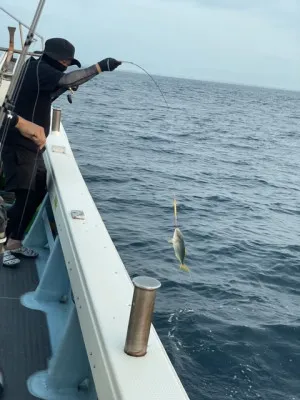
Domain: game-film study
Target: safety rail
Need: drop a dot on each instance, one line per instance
(20, 27)
(87, 296)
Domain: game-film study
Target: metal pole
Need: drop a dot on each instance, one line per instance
(141, 315)
(56, 117)
(21, 35)
(8, 99)
(35, 53)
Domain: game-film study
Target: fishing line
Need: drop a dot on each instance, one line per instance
(185, 312)
(38, 150)
(157, 85)
(186, 309)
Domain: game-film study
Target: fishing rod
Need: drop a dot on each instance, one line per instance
(8, 104)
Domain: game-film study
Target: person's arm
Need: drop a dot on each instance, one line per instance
(32, 131)
(76, 78)
(27, 129)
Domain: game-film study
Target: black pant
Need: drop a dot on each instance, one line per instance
(23, 169)
(22, 211)
(25, 175)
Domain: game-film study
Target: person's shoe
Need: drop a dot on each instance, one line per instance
(9, 260)
(25, 252)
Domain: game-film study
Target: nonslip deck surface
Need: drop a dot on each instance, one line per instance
(24, 342)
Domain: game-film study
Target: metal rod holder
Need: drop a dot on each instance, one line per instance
(56, 117)
(11, 30)
(141, 315)
(10, 52)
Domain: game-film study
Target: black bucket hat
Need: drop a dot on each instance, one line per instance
(60, 49)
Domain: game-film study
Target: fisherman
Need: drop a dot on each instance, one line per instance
(33, 132)
(25, 173)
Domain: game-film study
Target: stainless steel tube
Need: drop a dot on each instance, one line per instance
(56, 117)
(141, 315)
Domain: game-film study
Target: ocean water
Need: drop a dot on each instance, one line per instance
(231, 155)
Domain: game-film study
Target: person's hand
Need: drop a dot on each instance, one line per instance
(109, 64)
(32, 131)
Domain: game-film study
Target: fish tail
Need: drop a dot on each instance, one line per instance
(184, 267)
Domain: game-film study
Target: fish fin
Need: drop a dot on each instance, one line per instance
(185, 268)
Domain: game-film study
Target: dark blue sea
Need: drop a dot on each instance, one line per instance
(231, 156)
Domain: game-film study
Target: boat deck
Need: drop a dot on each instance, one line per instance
(24, 341)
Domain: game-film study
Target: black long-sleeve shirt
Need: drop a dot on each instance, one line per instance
(74, 79)
(42, 84)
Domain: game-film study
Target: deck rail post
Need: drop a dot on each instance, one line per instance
(141, 315)
(56, 118)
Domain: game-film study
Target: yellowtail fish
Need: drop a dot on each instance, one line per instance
(178, 242)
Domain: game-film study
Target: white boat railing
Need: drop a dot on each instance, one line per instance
(83, 260)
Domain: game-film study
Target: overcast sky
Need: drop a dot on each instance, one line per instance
(242, 41)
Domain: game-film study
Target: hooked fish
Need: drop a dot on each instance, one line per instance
(179, 248)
